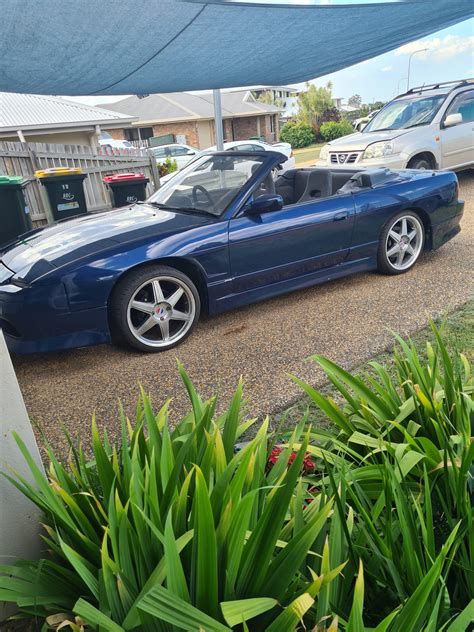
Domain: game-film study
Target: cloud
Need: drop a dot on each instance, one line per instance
(387, 69)
(439, 48)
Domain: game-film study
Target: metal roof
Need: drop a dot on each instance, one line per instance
(183, 106)
(33, 111)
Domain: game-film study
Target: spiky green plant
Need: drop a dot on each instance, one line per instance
(173, 526)
(400, 453)
(174, 529)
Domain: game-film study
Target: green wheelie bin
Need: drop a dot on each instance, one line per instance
(14, 212)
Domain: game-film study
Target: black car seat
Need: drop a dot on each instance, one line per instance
(303, 185)
(317, 184)
(266, 186)
(285, 186)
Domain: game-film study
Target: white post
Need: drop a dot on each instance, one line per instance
(218, 120)
(421, 50)
(19, 518)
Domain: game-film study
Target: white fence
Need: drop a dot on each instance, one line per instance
(23, 159)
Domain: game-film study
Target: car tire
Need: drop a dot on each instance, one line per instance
(419, 163)
(153, 308)
(401, 243)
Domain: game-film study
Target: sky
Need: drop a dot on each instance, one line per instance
(450, 55)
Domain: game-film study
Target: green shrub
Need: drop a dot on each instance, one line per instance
(168, 166)
(180, 529)
(297, 134)
(331, 130)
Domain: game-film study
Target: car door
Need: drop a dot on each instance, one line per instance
(299, 239)
(457, 142)
(182, 155)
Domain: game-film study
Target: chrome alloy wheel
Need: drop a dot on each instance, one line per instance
(161, 311)
(404, 242)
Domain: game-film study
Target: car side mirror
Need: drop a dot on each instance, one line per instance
(265, 203)
(452, 119)
(190, 153)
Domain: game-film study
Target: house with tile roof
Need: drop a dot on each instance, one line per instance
(47, 119)
(189, 117)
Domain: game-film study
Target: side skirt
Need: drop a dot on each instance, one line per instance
(231, 301)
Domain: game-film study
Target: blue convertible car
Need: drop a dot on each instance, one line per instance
(226, 231)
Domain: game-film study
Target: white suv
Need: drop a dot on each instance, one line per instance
(431, 127)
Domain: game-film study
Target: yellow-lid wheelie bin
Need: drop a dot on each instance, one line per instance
(65, 189)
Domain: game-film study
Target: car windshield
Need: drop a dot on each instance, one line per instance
(208, 184)
(404, 113)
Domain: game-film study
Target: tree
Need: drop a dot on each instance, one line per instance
(313, 102)
(355, 101)
(268, 97)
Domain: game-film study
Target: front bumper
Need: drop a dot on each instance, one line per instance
(395, 161)
(38, 320)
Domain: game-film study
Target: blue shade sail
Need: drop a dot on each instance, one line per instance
(79, 47)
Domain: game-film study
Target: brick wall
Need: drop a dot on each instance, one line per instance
(266, 127)
(245, 127)
(185, 128)
(228, 131)
(241, 128)
(117, 134)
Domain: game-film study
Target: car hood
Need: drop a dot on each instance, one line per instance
(360, 141)
(41, 251)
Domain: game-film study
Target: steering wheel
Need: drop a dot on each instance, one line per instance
(199, 188)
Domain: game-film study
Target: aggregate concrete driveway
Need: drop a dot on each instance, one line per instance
(347, 320)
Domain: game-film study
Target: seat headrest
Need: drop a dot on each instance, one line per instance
(318, 184)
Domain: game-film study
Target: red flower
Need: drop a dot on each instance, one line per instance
(308, 463)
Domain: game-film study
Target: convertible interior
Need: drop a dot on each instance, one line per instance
(213, 190)
(303, 185)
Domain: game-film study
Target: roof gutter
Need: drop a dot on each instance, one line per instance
(69, 126)
(190, 119)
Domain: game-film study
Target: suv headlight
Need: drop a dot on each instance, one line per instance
(378, 150)
(323, 154)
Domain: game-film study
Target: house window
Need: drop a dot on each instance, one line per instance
(146, 132)
(132, 133)
(272, 124)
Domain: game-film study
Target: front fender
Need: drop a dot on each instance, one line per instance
(88, 284)
(412, 150)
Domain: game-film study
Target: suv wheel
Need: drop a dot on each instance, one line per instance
(419, 163)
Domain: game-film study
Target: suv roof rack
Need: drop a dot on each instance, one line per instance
(458, 83)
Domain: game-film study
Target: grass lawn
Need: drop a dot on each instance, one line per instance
(307, 153)
(458, 335)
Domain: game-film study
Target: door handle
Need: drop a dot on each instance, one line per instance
(340, 216)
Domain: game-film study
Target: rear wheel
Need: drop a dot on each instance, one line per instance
(401, 243)
(154, 308)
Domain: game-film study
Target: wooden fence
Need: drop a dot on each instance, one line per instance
(23, 159)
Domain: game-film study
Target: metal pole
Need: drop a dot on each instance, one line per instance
(421, 50)
(218, 120)
(408, 74)
(398, 85)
